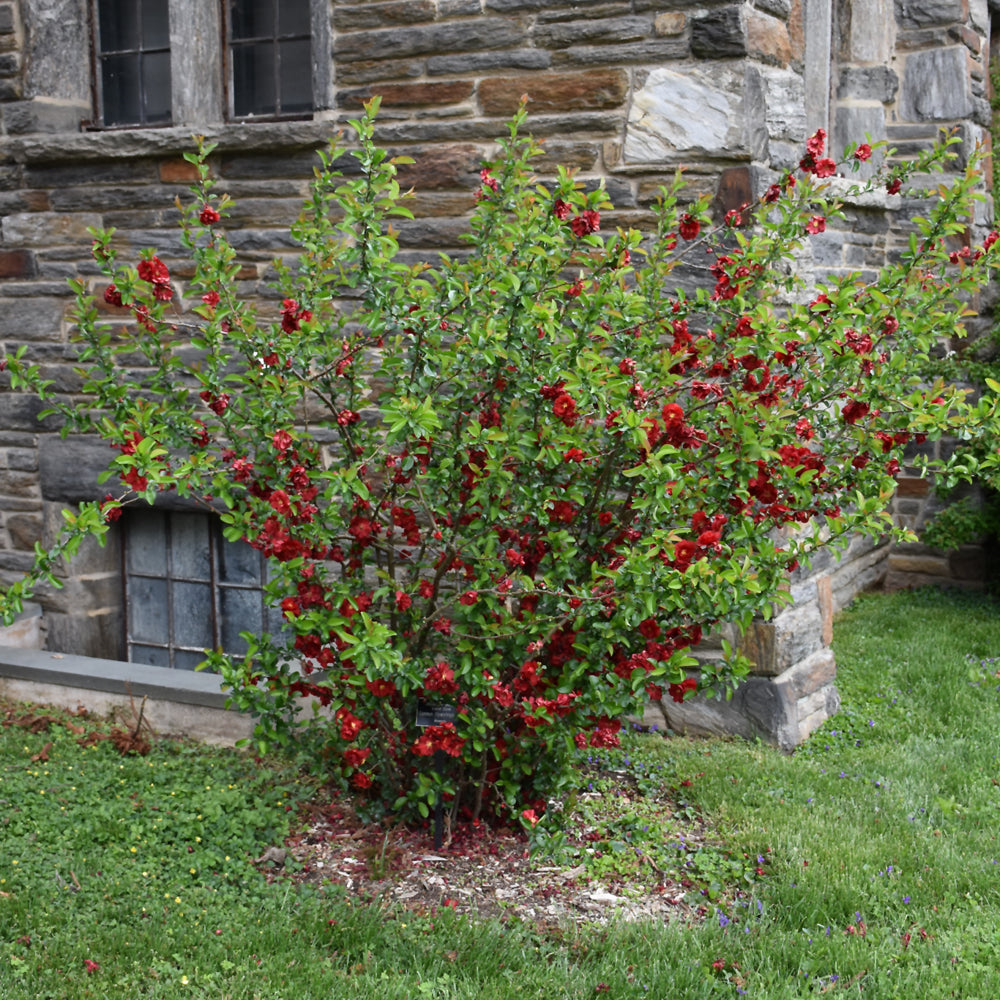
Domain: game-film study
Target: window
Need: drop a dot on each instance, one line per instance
(270, 54)
(187, 589)
(133, 56)
(195, 62)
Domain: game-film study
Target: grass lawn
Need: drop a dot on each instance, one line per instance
(876, 845)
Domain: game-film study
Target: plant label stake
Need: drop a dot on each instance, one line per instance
(436, 715)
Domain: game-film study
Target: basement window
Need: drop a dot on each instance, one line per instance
(187, 589)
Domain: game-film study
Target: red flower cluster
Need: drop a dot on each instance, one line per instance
(155, 272)
(443, 737)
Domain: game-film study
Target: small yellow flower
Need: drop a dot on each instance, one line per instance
(184, 980)
(133, 849)
(191, 870)
(177, 899)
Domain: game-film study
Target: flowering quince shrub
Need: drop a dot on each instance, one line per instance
(511, 490)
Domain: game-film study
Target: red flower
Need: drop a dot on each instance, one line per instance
(440, 678)
(381, 688)
(817, 224)
(575, 290)
(112, 296)
(279, 500)
(361, 529)
(350, 725)
(469, 598)
(90, 965)
(684, 552)
(649, 628)
(825, 168)
(689, 227)
(893, 186)
(863, 152)
(110, 509)
(854, 411)
(564, 407)
(403, 600)
(356, 756)
(585, 223)
(561, 210)
(208, 216)
(211, 299)
(679, 691)
(530, 816)
(361, 780)
(134, 480)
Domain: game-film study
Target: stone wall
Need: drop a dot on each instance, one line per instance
(623, 91)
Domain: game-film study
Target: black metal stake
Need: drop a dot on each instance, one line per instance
(439, 760)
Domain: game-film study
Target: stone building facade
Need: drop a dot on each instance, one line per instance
(99, 99)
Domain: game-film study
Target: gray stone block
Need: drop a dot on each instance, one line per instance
(605, 30)
(654, 50)
(719, 34)
(868, 83)
(480, 33)
(936, 86)
(22, 117)
(686, 111)
(476, 62)
(927, 13)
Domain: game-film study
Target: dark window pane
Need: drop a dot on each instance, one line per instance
(120, 86)
(253, 80)
(253, 18)
(186, 659)
(155, 24)
(189, 545)
(192, 614)
(238, 563)
(118, 23)
(156, 86)
(146, 544)
(152, 656)
(147, 610)
(240, 611)
(295, 74)
(294, 17)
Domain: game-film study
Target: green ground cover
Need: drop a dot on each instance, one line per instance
(129, 876)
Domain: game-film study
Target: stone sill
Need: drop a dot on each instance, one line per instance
(178, 702)
(118, 144)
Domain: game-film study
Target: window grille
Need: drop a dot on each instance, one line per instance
(187, 589)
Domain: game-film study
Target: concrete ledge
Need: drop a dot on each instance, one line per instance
(178, 702)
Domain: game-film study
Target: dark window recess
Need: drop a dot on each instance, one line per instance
(133, 62)
(187, 589)
(270, 58)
